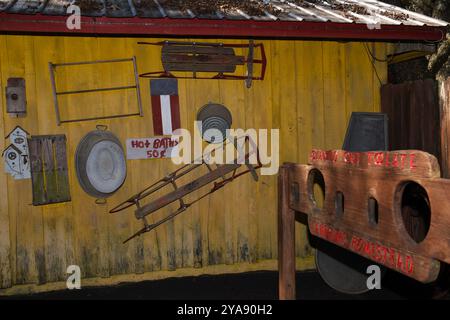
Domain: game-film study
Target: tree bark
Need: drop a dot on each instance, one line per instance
(438, 63)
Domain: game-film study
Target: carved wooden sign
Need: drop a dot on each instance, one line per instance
(390, 207)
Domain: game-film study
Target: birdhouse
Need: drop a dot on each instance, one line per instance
(18, 138)
(16, 100)
(16, 155)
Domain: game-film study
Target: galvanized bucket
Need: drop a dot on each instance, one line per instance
(216, 119)
(100, 163)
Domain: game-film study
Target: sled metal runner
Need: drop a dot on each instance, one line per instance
(197, 57)
(218, 177)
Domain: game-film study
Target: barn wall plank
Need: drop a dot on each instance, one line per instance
(234, 197)
(312, 109)
(5, 240)
(86, 213)
(359, 79)
(414, 119)
(444, 122)
(380, 77)
(29, 260)
(266, 187)
(334, 101)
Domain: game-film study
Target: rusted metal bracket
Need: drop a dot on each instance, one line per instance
(218, 177)
(56, 93)
(197, 57)
(251, 48)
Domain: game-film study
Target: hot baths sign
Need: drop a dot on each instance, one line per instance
(151, 148)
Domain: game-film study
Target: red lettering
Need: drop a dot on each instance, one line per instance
(356, 243)
(386, 160)
(399, 265)
(373, 250)
(341, 238)
(330, 156)
(335, 156)
(322, 230)
(316, 228)
(329, 232)
(402, 160)
(412, 158)
(384, 253)
(347, 157)
(137, 144)
(352, 158)
(153, 154)
(317, 155)
(395, 160)
(312, 155)
(173, 143)
(409, 264)
(391, 253)
(377, 255)
(368, 248)
(370, 158)
(379, 157)
(355, 158)
(165, 142)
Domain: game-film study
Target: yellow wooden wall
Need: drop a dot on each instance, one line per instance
(309, 92)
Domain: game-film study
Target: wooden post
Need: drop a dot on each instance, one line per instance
(444, 97)
(286, 239)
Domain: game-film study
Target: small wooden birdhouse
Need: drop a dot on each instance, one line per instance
(16, 99)
(16, 155)
(18, 138)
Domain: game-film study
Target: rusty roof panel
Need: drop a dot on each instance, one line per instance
(26, 6)
(119, 8)
(370, 12)
(325, 12)
(4, 4)
(236, 15)
(91, 8)
(266, 17)
(56, 7)
(148, 9)
(217, 15)
(202, 10)
(175, 13)
(289, 11)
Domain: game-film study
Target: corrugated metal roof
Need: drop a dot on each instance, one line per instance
(369, 12)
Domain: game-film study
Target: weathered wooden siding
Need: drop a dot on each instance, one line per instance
(413, 111)
(310, 90)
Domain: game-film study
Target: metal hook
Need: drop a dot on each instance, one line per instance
(100, 201)
(101, 127)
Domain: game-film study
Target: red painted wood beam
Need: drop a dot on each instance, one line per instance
(217, 28)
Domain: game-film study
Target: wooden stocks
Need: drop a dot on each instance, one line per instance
(371, 201)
